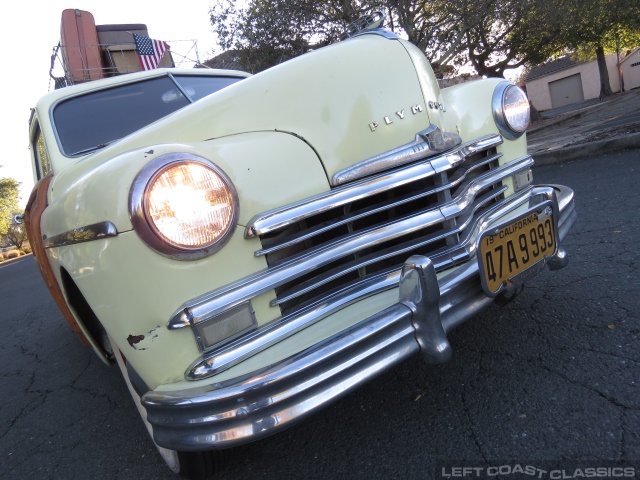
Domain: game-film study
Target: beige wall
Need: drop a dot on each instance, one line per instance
(538, 89)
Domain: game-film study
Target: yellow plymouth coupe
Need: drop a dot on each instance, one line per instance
(248, 249)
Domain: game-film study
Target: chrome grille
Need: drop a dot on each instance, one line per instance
(374, 225)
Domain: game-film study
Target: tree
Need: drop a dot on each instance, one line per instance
(263, 34)
(492, 35)
(598, 27)
(16, 233)
(8, 202)
(503, 34)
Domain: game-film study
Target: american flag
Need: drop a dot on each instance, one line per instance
(149, 51)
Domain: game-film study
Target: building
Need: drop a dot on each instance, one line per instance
(567, 81)
(631, 70)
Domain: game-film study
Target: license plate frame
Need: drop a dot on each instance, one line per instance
(503, 249)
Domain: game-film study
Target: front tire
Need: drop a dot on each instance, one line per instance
(190, 465)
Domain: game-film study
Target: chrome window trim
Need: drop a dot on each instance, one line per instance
(180, 87)
(283, 216)
(88, 233)
(138, 211)
(246, 288)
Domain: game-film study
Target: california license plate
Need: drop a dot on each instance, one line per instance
(509, 250)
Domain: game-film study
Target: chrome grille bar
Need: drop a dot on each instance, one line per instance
(281, 217)
(403, 249)
(381, 207)
(457, 207)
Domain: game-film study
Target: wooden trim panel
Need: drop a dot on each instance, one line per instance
(32, 216)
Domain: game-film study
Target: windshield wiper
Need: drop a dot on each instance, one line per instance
(87, 150)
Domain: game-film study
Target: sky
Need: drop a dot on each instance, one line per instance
(28, 35)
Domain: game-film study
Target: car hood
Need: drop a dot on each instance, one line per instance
(349, 101)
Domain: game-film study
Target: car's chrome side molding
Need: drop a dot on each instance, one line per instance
(88, 233)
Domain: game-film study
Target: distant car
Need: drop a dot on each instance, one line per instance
(248, 249)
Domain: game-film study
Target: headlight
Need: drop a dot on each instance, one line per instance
(183, 206)
(510, 110)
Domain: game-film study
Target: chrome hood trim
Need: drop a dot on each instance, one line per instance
(428, 143)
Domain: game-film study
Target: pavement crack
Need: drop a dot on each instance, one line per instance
(467, 411)
(472, 428)
(612, 400)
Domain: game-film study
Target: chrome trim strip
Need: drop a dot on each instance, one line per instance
(281, 217)
(428, 142)
(382, 32)
(244, 289)
(233, 353)
(283, 327)
(374, 210)
(96, 231)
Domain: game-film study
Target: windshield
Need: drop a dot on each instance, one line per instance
(92, 121)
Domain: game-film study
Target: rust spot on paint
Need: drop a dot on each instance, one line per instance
(134, 339)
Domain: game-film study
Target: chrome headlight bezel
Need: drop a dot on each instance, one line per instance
(139, 207)
(508, 129)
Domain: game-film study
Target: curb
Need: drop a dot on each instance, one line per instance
(576, 152)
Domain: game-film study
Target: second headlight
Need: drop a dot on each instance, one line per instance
(510, 110)
(183, 206)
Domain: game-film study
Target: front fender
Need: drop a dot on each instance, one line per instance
(470, 104)
(132, 289)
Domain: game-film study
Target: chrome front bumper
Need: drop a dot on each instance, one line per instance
(247, 408)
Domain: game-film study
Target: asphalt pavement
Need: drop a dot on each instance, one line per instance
(548, 381)
(587, 129)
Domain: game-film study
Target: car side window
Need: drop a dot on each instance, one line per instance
(43, 166)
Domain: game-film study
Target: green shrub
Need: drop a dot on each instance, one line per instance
(12, 254)
(26, 250)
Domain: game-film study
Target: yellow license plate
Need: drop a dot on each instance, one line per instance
(509, 250)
